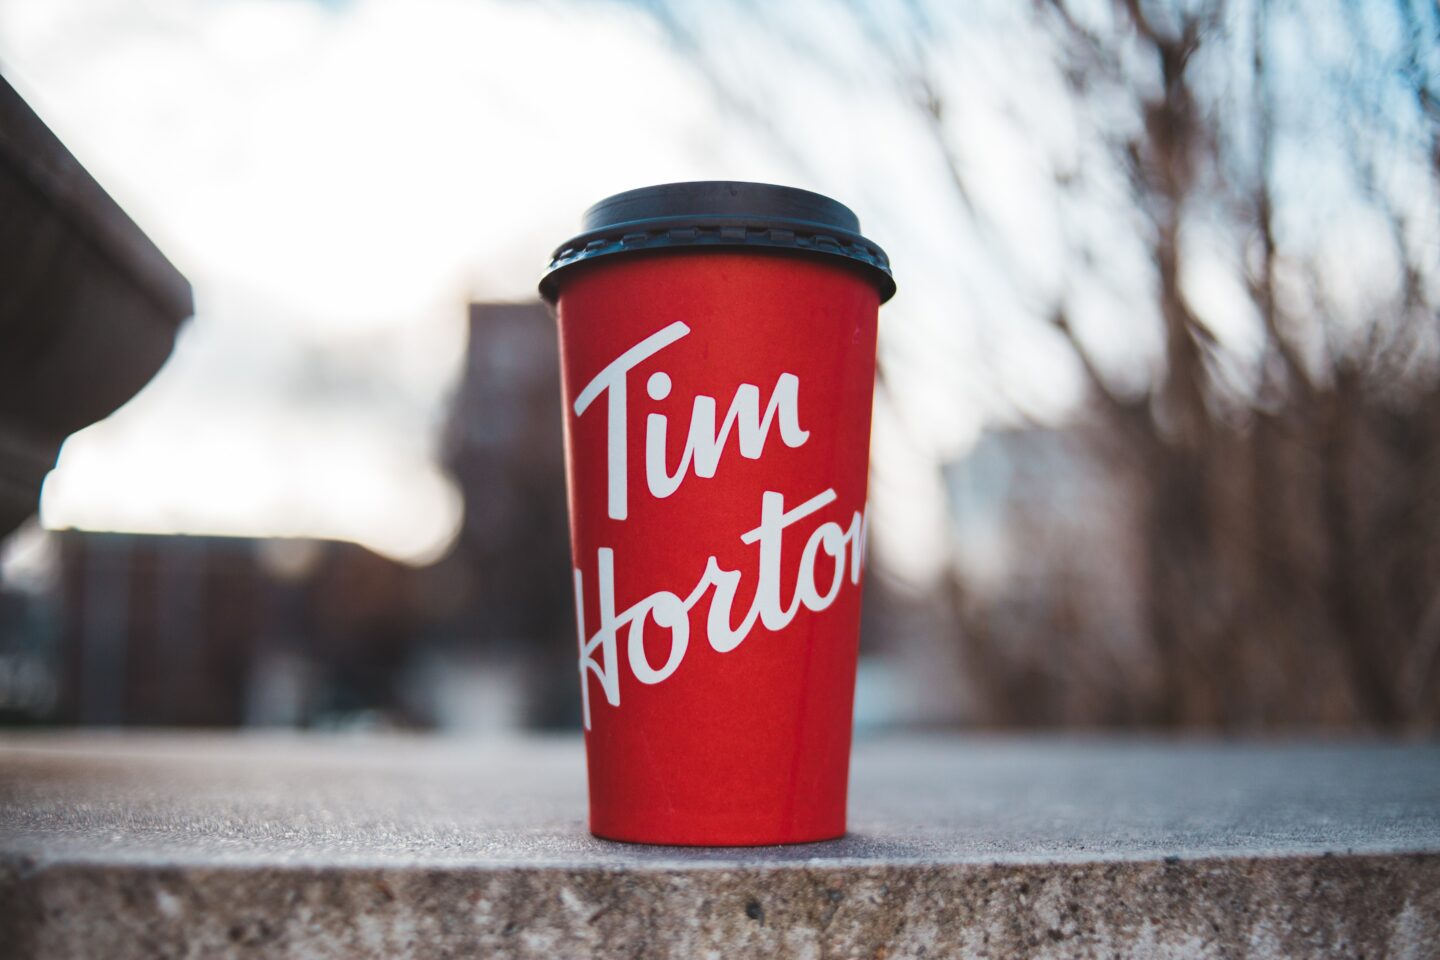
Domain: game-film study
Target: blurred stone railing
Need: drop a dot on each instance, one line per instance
(89, 307)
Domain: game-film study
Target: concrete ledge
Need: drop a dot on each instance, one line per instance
(212, 846)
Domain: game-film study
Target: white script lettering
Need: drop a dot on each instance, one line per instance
(672, 614)
(611, 381)
(704, 444)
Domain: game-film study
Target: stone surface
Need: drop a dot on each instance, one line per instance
(188, 846)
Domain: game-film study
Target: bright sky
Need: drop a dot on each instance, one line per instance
(338, 180)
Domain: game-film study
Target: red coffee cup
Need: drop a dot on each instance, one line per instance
(717, 345)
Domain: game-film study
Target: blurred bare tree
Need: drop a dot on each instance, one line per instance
(1290, 518)
(1279, 487)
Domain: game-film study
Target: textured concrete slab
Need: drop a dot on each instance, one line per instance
(158, 846)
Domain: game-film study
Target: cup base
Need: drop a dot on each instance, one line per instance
(740, 840)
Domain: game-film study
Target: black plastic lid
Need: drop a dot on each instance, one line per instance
(720, 213)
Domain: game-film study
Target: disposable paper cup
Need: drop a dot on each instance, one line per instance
(717, 343)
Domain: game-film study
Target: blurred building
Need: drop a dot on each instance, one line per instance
(510, 569)
(221, 631)
(139, 629)
(1025, 497)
